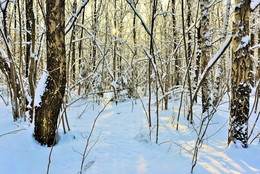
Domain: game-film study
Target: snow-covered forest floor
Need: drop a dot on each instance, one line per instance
(120, 142)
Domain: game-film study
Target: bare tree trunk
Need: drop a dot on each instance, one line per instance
(134, 72)
(205, 53)
(94, 28)
(151, 63)
(176, 62)
(252, 39)
(221, 64)
(30, 51)
(241, 77)
(197, 60)
(7, 65)
(81, 52)
(115, 32)
(189, 41)
(47, 113)
(258, 60)
(168, 65)
(120, 48)
(73, 48)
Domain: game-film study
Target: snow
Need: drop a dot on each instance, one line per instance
(238, 5)
(3, 4)
(254, 4)
(121, 143)
(40, 88)
(244, 42)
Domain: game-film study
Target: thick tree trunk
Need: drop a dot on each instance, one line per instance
(47, 113)
(241, 75)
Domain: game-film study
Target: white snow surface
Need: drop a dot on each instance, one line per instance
(254, 4)
(3, 4)
(123, 145)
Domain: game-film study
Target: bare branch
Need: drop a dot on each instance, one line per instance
(74, 16)
(130, 2)
(211, 63)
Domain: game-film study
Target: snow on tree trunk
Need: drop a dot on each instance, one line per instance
(241, 75)
(47, 113)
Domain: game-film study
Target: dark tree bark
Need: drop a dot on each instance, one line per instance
(134, 73)
(189, 41)
(73, 47)
(177, 62)
(80, 50)
(47, 113)
(30, 52)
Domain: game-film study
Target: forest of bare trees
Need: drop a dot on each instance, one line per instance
(200, 51)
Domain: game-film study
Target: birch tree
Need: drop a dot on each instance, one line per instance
(205, 52)
(241, 75)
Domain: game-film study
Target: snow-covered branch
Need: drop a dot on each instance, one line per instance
(151, 59)
(74, 16)
(130, 2)
(212, 61)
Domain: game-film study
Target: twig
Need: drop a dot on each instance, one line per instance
(56, 133)
(12, 132)
(252, 130)
(201, 134)
(255, 137)
(6, 103)
(189, 151)
(74, 16)
(85, 153)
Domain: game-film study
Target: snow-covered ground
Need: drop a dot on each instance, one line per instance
(120, 143)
